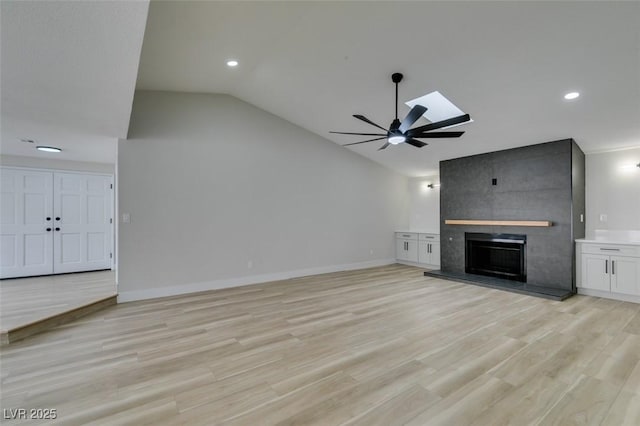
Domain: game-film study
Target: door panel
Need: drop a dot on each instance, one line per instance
(83, 204)
(27, 247)
(95, 246)
(9, 249)
(401, 252)
(412, 253)
(625, 275)
(435, 254)
(595, 272)
(423, 252)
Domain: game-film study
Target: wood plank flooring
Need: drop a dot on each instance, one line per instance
(27, 300)
(377, 346)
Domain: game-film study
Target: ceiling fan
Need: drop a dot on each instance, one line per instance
(401, 132)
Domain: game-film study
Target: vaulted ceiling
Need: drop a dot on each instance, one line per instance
(508, 64)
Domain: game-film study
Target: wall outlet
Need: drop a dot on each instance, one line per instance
(126, 218)
(603, 218)
(371, 252)
(250, 264)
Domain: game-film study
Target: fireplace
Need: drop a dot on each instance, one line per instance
(496, 255)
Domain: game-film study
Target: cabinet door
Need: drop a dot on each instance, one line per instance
(435, 254)
(423, 252)
(401, 249)
(595, 272)
(412, 250)
(26, 237)
(625, 275)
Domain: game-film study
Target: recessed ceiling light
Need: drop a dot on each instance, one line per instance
(48, 148)
(571, 95)
(232, 63)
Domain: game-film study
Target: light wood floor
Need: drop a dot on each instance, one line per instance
(378, 346)
(27, 300)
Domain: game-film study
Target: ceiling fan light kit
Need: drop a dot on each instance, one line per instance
(401, 132)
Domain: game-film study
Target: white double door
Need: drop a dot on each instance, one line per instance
(54, 222)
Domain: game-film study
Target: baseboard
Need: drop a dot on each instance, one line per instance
(153, 293)
(608, 295)
(418, 265)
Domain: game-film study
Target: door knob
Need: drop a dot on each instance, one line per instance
(48, 218)
(48, 229)
(57, 229)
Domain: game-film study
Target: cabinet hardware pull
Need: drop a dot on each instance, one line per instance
(48, 229)
(609, 249)
(613, 267)
(606, 266)
(48, 218)
(57, 229)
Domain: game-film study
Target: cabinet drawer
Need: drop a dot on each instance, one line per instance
(611, 249)
(407, 235)
(429, 237)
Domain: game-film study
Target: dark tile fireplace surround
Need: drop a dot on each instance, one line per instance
(543, 182)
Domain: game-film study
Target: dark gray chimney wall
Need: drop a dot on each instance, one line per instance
(536, 182)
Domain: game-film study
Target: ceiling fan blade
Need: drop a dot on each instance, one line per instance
(415, 113)
(417, 144)
(370, 140)
(439, 135)
(366, 120)
(439, 124)
(384, 146)
(360, 134)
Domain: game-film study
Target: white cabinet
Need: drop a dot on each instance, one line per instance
(53, 222)
(407, 246)
(429, 249)
(609, 270)
(421, 248)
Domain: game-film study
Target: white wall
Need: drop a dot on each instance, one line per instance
(53, 163)
(424, 204)
(213, 184)
(613, 189)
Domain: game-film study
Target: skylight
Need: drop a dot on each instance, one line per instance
(438, 107)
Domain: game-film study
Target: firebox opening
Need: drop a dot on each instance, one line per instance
(496, 255)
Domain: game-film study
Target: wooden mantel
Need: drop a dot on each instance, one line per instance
(541, 223)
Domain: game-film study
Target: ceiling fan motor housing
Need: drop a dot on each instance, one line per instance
(396, 77)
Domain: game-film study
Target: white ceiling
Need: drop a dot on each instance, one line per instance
(68, 73)
(507, 64)
(68, 69)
